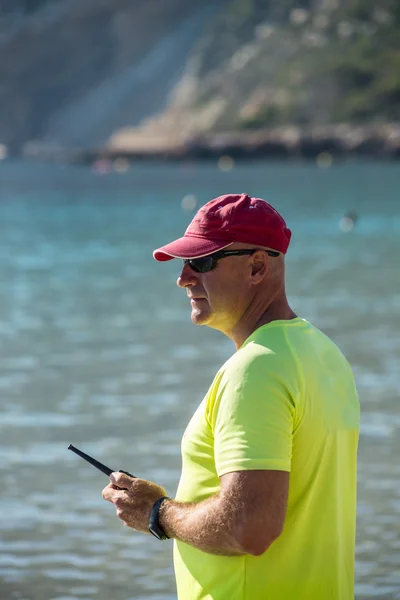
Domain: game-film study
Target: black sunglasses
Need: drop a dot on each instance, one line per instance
(208, 263)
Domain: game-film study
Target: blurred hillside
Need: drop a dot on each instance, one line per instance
(74, 72)
(306, 63)
(313, 61)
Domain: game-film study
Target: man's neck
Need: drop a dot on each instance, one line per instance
(276, 311)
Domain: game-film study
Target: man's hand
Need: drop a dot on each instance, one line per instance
(134, 501)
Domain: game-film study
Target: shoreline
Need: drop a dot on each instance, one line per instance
(327, 143)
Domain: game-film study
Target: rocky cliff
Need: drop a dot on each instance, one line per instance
(313, 65)
(153, 75)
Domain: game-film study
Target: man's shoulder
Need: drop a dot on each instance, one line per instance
(292, 334)
(283, 347)
(272, 341)
(260, 353)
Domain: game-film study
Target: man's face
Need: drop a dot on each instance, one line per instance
(219, 297)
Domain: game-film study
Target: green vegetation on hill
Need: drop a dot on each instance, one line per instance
(304, 62)
(367, 64)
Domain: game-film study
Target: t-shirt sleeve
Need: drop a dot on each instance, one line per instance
(252, 416)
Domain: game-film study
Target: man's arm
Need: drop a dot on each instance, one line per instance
(245, 517)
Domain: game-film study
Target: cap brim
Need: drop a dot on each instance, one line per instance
(189, 247)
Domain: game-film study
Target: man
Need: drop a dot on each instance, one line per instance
(266, 504)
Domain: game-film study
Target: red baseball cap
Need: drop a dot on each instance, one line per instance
(225, 220)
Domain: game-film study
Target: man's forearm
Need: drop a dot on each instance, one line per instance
(205, 525)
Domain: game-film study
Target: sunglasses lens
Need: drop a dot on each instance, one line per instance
(201, 265)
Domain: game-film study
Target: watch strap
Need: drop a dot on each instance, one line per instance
(154, 525)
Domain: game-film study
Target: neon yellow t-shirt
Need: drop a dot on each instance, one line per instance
(286, 400)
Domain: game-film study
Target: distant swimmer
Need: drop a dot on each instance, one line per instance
(348, 221)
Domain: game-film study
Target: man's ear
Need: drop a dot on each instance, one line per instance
(259, 266)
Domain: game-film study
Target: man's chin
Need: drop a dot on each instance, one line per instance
(200, 317)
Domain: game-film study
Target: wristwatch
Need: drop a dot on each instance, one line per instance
(154, 526)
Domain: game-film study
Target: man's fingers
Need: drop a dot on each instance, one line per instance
(107, 492)
(121, 480)
(111, 492)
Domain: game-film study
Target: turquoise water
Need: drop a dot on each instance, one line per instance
(97, 349)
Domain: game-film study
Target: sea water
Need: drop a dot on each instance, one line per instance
(97, 349)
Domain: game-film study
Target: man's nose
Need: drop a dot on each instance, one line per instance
(187, 278)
